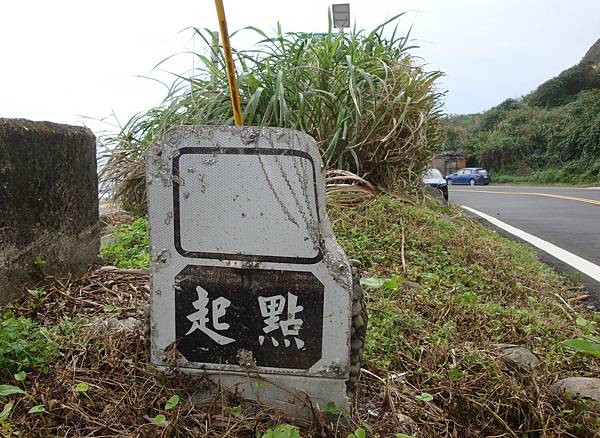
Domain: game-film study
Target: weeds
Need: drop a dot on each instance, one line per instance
(25, 345)
(431, 365)
(129, 248)
(436, 321)
(283, 431)
(371, 108)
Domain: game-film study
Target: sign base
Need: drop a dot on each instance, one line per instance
(295, 396)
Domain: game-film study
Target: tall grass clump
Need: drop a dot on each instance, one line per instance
(371, 107)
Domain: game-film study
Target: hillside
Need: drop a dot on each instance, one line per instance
(564, 88)
(593, 54)
(550, 135)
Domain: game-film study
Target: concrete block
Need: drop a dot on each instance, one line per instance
(48, 202)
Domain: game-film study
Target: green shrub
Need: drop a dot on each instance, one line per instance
(492, 117)
(130, 247)
(563, 88)
(510, 179)
(25, 345)
(363, 97)
(544, 145)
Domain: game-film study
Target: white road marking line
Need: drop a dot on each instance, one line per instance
(588, 268)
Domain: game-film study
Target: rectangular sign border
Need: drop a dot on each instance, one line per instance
(239, 257)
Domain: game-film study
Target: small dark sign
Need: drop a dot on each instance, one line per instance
(222, 314)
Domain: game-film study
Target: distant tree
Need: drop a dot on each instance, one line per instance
(564, 88)
(459, 131)
(583, 129)
(495, 115)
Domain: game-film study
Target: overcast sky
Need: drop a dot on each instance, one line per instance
(67, 60)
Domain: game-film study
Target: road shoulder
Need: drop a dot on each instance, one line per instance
(560, 266)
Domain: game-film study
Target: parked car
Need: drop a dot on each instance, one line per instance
(434, 178)
(471, 176)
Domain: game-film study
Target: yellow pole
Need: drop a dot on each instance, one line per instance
(233, 88)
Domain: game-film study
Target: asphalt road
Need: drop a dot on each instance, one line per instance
(568, 217)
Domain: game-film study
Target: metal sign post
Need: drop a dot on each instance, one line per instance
(247, 281)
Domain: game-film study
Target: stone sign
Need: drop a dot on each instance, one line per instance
(247, 279)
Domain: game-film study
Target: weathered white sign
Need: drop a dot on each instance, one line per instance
(247, 279)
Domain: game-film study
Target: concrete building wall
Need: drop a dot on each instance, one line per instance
(448, 163)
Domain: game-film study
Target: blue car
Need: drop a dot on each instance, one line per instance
(471, 176)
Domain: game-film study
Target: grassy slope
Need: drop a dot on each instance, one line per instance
(432, 324)
(462, 289)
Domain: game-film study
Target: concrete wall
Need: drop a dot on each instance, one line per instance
(48, 202)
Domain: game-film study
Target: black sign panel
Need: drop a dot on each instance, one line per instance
(222, 314)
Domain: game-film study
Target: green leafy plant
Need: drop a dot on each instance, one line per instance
(331, 408)
(38, 297)
(234, 411)
(424, 396)
(25, 345)
(586, 346)
(37, 293)
(257, 385)
(587, 327)
(10, 390)
(130, 247)
(375, 283)
(81, 388)
(371, 282)
(159, 420)
(6, 411)
(282, 431)
(172, 402)
(5, 426)
(36, 409)
(358, 433)
(468, 298)
(455, 374)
